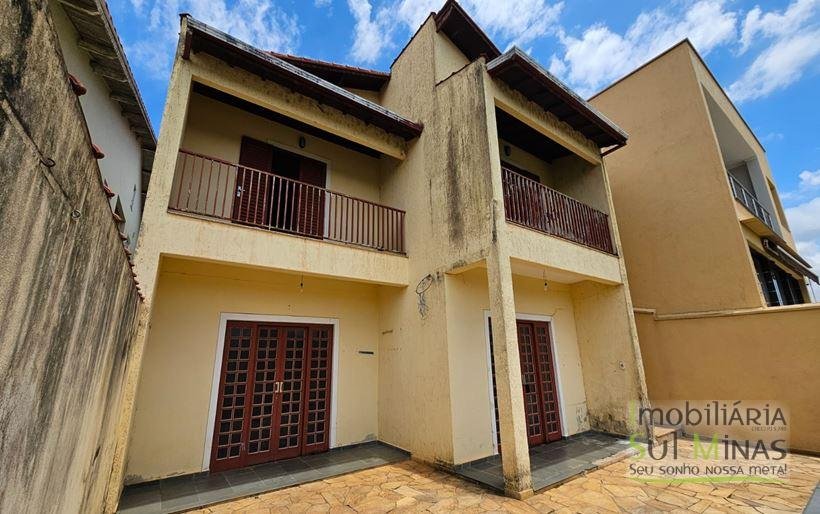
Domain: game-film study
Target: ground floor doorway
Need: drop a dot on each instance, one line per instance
(538, 381)
(274, 393)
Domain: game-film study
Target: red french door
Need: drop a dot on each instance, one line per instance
(279, 190)
(538, 383)
(274, 393)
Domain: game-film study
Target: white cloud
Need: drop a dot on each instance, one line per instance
(371, 32)
(809, 183)
(508, 23)
(322, 3)
(794, 43)
(809, 179)
(599, 55)
(776, 24)
(777, 67)
(515, 23)
(773, 136)
(804, 220)
(261, 23)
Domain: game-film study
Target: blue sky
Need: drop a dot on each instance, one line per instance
(766, 55)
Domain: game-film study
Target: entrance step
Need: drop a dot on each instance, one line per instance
(665, 433)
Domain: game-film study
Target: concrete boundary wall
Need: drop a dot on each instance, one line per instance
(68, 302)
(767, 354)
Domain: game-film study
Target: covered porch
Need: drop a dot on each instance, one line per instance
(202, 489)
(247, 367)
(552, 463)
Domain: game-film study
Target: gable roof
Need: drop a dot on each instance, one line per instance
(201, 37)
(522, 73)
(457, 25)
(340, 74)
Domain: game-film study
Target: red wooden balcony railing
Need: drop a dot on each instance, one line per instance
(211, 187)
(535, 206)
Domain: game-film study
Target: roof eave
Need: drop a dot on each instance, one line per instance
(111, 43)
(316, 87)
(516, 57)
(452, 10)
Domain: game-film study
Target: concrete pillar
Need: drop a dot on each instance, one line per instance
(515, 456)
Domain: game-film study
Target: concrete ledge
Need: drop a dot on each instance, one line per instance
(213, 240)
(581, 262)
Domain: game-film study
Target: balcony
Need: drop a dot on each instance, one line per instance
(538, 207)
(214, 188)
(750, 201)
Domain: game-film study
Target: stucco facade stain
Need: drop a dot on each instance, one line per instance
(69, 304)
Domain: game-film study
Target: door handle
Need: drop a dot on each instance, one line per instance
(277, 387)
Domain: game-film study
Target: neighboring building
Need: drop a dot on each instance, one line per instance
(68, 297)
(713, 267)
(111, 103)
(376, 222)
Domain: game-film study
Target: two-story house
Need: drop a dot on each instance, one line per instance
(425, 257)
(720, 290)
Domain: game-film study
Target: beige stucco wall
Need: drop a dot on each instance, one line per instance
(171, 418)
(563, 256)
(613, 369)
(470, 386)
(109, 129)
(69, 303)
(765, 354)
(448, 58)
(681, 238)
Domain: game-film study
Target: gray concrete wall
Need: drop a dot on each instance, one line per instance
(68, 302)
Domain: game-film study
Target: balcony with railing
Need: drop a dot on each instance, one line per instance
(750, 201)
(217, 189)
(533, 205)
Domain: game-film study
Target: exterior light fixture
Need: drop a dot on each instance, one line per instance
(302, 142)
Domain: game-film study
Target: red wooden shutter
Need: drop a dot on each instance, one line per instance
(317, 409)
(546, 372)
(312, 199)
(252, 198)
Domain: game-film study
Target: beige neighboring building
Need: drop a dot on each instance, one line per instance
(719, 288)
(362, 228)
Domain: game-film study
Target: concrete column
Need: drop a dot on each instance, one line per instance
(515, 456)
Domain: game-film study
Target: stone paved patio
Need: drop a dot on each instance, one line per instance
(412, 487)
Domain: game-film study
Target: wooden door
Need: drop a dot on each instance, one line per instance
(548, 389)
(541, 406)
(253, 183)
(292, 398)
(274, 393)
(228, 449)
(530, 385)
(312, 199)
